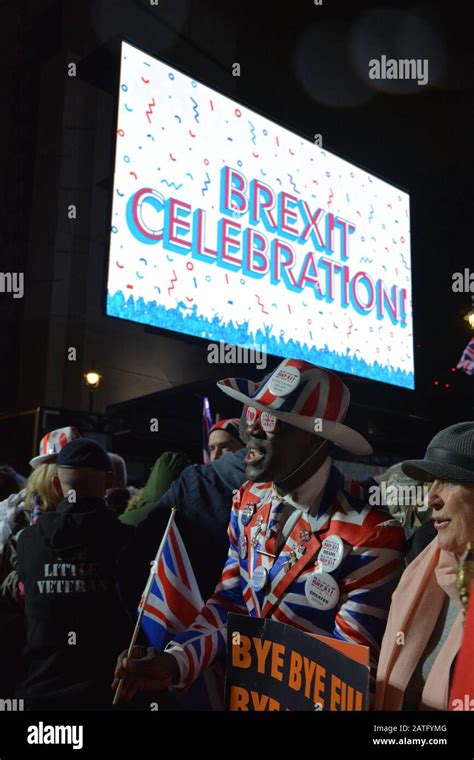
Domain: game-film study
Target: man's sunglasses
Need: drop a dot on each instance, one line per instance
(268, 422)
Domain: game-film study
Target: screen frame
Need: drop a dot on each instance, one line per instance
(182, 336)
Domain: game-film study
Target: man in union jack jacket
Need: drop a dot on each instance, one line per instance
(304, 546)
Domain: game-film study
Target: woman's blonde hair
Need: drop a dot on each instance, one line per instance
(133, 501)
(40, 484)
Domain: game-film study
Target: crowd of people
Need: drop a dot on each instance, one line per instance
(265, 523)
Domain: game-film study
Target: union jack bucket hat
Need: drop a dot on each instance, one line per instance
(52, 443)
(230, 426)
(305, 396)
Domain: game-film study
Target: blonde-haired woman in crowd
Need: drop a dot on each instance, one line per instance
(40, 495)
(21, 509)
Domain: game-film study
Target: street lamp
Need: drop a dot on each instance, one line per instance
(470, 318)
(92, 380)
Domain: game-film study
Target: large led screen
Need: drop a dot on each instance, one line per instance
(229, 227)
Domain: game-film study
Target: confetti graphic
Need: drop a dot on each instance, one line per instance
(252, 131)
(171, 184)
(264, 311)
(151, 106)
(173, 280)
(206, 184)
(404, 262)
(196, 111)
(255, 222)
(293, 184)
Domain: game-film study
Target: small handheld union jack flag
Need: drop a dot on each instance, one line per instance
(170, 603)
(173, 600)
(466, 362)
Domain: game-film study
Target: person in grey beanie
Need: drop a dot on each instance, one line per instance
(426, 606)
(454, 443)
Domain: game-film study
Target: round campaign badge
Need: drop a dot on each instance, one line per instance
(247, 513)
(331, 553)
(242, 546)
(251, 415)
(269, 422)
(322, 591)
(284, 381)
(259, 578)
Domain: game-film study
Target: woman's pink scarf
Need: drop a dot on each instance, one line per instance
(416, 605)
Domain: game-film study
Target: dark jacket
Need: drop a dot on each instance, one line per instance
(76, 625)
(203, 497)
(117, 500)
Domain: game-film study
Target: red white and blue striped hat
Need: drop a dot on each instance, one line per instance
(52, 443)
(230, 425)
(302, 394)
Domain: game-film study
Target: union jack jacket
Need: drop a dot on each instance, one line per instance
(367, 575)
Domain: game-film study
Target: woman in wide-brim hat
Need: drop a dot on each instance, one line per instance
(425, 624)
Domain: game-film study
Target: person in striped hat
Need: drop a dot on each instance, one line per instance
(224, 437)
(305, 547)
(20, 509)
(52, 443)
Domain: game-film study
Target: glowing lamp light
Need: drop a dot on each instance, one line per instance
(92, 379)
(470, 318)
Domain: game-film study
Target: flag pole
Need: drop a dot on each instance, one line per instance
(145, 595)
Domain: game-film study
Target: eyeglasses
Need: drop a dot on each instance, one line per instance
(268, 422)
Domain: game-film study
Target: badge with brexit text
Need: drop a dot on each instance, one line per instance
(331, 553)
(322, 591)
(284, 381)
